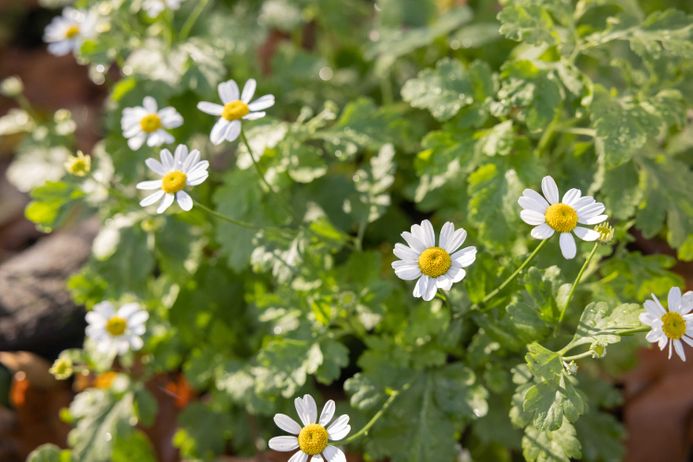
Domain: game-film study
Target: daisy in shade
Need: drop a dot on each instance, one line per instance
(548, 215)
(313, 438)
(177, 172)
(671, 326)
(435, 267)
(236, 107)
(67, 32)
(148, 123)
(154, 7)
(117, 330)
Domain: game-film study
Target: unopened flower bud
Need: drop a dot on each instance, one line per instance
(11, 86)
(606, 232)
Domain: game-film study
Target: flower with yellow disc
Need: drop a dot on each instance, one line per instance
(78, 165)
(177, 172)
(67, 32)
(147, 123)
(236, 107)
(672, 326)
(434, 266)
(313, 438)
(549, 214)
(116, 330)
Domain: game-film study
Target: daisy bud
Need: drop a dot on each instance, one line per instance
(62, 368)
(11, 86)
(606, 232)
(598, 350)
(78, 165)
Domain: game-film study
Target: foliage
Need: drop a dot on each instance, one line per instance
(384, 116)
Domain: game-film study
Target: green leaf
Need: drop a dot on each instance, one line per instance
(134, 446)
(202, 432)
(602, 437)
(49, 453)
(601, 321)
(535, 22)
(335, 358)
(285, 364)
(560, 445)
(443, 90)
(373, 183)
(636, 276)
(52, 202)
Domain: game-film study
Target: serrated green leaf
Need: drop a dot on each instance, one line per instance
(560, 445)
(133, 446)
(600, 322)
(51, 203)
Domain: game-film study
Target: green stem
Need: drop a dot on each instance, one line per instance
(574, 286)
(242, 224)
(510, 278)
(376, 416)
(359, 235)
(255, 164)
(548, 135)
(635, 330)
(578, 356)
(192, 19)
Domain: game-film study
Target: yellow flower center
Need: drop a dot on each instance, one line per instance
(561, 217)
(673, 325)
(150, 123)
(72, 31)
(116, 326)
(313, 439)
(78, 165)
(234, 110)
(434, 262)
(173, 181)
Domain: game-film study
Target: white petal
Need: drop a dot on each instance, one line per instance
(148, 185)
(431, 291)
(550, 190)
(593, 220)
(457, 239)
(653, 336)
(135, 343)
(414, 242)
(571, 196)
(228, 91)
(339, 428)
(529, 203)
(678, 346)
(567, 244)
(307, 409)
(591, 210)
(465, 257)
(334, 454)
(184, 200)
(264, 102)
(283, 443)
(542, 231)
(317, 458)
(405, 253)
(429, 235)
(674, 299)
(532, 217)
(179, 155)
(210, 108)
(137, 141)
(444, 282)
(536, 197)
(248, 90)
(421, 286)
(138, 318)
(654, 307)
(190, 161)
(327, 413)
(456, 273)
(150, 104)
(128, 310)
(687, 302)
(255, 115)
(167, 160)
(300, 456)
(233, 131)
(218, 133)
(170, 118)
(406, 271)
(152, 198)
(197, 178)
(166, 203)
(586, 234)
(155, 166)
(287, 424)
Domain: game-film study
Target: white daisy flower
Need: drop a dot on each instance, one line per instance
(314, 437)
(177, 172)
(118, 330)
(154, 7)
(548, 215)
(670, 327)
(435, 267)
(67, 32)
(148, 123)
(235, 108)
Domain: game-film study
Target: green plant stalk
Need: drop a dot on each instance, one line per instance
(578, 356)
(516, 273)
(216, 214)
(574, 286)
(259, 171)
(192, 19)
(364, 430)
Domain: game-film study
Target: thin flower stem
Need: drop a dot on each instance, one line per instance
(578, 356)
(516, 273)
(574, 286)
(364, 430)
(192, 19)
(635, 330)
(259, 171)
(216, 214)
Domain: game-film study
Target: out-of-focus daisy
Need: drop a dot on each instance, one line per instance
(117, 330)
(435, 267)
(154, 7)
(671, 326)
(78, 165)
(236, 106)
(67, 32)
(185, 169)
(548, 215)
(313, 438)
(148, 123)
